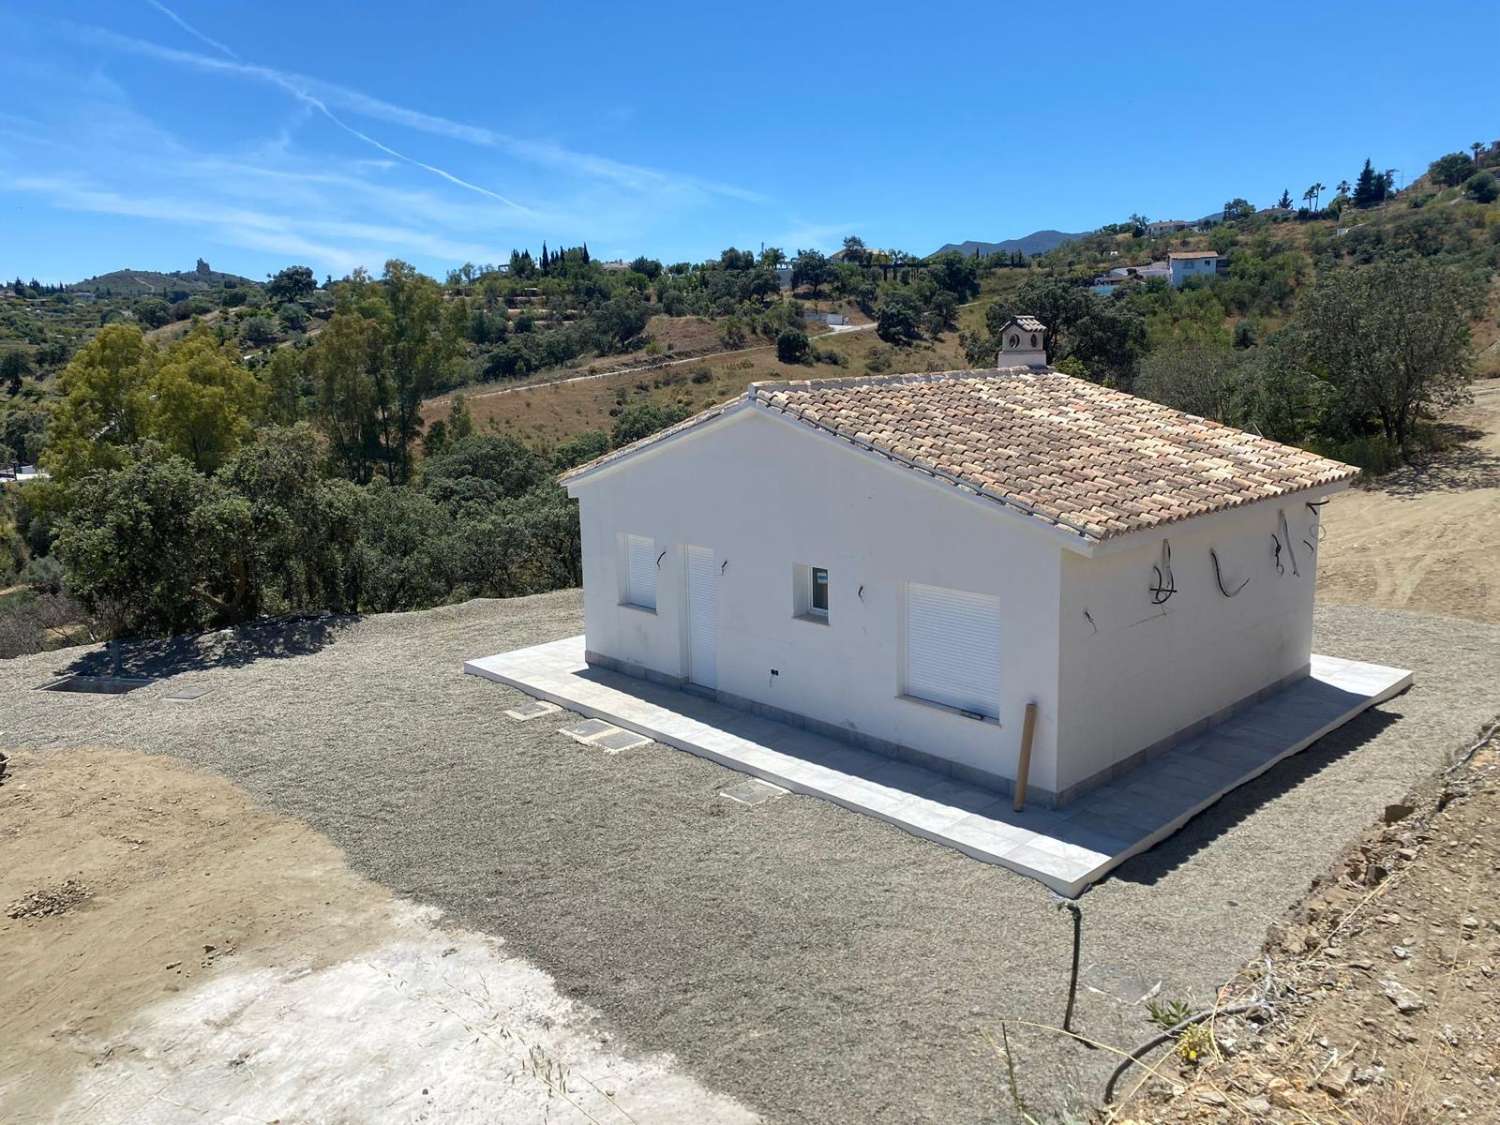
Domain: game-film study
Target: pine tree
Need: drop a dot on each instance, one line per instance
(1367, 188)
(585, 253)
(546, 260)
(1285, 202)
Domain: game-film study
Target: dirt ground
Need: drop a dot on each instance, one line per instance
(1382, 985)
(160, 928)
(1425, 538)
(811, 964)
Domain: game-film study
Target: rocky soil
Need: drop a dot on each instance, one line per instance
(1381, 991)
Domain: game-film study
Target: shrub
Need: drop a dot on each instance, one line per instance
(792, 346)
(44, 575)
(1482, 188)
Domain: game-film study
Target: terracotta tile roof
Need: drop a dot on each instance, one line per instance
(1098, 462)
(1193, 254)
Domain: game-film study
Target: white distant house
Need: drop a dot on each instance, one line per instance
(20, 474)
(1184, 265)
(906, 562)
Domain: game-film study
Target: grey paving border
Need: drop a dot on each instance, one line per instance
(1067, 849)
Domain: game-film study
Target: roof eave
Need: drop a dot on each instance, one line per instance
(602, 466)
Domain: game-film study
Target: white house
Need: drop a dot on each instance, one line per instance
(1185, 265)
(906, 562)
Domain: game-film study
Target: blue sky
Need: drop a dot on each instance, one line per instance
(147, 133)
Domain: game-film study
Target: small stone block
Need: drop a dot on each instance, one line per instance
(618, 740)
(752, 791)
(187, 694)
(532, 709)
(587, 730)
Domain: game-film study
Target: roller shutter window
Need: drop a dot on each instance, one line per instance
(640, 571)
(953, 648)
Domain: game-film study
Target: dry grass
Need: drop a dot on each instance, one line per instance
(557, 411)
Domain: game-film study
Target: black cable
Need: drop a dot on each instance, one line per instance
(1171, 1033)
(1276, 544)
(1286, 534)
(1067, 1023)
(1219, 577)
(1166, 584)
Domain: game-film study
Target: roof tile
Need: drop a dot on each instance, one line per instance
(1098, 461)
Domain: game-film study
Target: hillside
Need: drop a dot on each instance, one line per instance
(1037, 242)
(151, 283)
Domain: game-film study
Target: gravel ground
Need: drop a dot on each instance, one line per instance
(818, 965)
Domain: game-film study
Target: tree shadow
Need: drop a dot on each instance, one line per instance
(1244, 800)
(1459, 466)
(156, 658)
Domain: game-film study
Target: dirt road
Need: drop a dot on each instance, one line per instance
(1425, 538)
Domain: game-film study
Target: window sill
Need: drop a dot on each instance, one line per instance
(811, 618)
(972, 716)
(638, 608)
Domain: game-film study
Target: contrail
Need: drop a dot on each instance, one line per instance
(191, 30)
(308, 99)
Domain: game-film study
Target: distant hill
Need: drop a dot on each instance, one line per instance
(1037, 242)
(146, 283)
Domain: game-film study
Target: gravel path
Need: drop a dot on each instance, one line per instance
(818, 965)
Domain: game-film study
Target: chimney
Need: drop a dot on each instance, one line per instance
(1022, 343)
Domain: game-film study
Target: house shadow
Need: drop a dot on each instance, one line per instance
(158, 658)
(1459, 467)
(1244, 800)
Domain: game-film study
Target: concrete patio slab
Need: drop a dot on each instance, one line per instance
(1067, 849)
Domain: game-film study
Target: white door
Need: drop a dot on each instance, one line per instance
(703, 616)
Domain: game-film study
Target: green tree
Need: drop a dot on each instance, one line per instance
(106, 403)
(643, 420)
(1197, 378)
(153, 312)
(130, 546)
(1238, 208)
(291, 284)
(1481, 187)
(344, 366)
(953, 273)
(259, 331)
(203, 402)
(1369, 187)
(14, 367)
(283, 379)
(899, 319)
(793, 346)
(811, 268)
(1391, 341)
(1451, 170)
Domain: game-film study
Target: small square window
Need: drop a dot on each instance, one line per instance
(810, 593)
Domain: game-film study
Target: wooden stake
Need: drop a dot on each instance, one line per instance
(1023, 767)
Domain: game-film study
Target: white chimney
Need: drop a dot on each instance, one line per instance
(1022, 343)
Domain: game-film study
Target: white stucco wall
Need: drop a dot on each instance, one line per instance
(1149, 671)
(767, 494)
(1182, 269)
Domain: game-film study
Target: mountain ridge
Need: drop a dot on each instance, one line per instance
(1037, 242)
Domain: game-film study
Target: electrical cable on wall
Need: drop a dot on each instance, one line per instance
(1219, 576)
(1286, 537)
(1165, 585)
(659, 558)
(1089, 617)
(1315, 507)
(1276, 558)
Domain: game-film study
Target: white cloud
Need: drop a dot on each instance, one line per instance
(327, 96)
